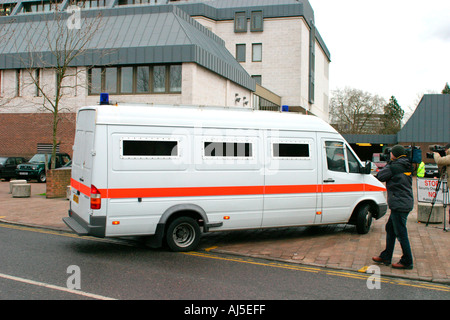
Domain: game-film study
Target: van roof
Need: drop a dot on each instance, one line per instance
(206, 117)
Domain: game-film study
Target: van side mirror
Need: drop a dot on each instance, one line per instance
(367, 168)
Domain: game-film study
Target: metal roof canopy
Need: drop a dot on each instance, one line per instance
(128, 36)
(371, 138)
(430, 121)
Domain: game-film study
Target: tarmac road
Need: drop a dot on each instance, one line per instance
(35, 264)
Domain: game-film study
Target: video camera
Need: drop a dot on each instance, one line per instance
(435, 148)
(413, 153)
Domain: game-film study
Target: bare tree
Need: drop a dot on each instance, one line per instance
(66, 38)
(353, 111)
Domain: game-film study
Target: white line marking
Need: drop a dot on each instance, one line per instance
(50, 286)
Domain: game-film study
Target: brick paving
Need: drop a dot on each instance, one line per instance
(334, 246)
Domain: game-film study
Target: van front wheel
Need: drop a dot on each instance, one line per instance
(363, 219)
(183, 234)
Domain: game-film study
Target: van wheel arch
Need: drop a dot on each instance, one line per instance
(193, 212)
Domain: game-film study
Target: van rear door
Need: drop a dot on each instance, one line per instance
(82, 163)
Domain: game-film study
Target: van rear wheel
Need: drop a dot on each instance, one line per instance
(183, 234)
(363, 219)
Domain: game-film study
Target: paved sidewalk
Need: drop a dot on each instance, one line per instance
(336, 246)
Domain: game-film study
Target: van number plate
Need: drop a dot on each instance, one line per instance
(75, 198)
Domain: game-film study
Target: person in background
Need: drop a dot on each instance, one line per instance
(421, 170)
(398, 177)
(442, 162)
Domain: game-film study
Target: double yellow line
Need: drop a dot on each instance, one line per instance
(347, 274)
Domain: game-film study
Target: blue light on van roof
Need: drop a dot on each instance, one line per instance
(104, 98)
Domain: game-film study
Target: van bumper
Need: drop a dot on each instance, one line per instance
(382, 209)
(96, 226)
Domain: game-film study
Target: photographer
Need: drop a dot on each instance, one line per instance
(398, 177)
(443, 161)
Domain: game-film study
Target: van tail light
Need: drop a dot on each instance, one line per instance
(96, 198)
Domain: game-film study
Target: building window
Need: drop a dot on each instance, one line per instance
(18, 83)
(111, 80)
(135, 79)
(240, 22)
(240, 52)
(159, 78)
(95, 80)
(126, 80)
(143, 80)
(258, 79)
(257, 52)
(256, 21)
(37, 81)
(175, 78)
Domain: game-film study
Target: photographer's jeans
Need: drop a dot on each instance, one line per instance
(396, 228)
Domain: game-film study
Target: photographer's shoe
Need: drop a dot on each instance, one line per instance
(402, 266)
(381, 260)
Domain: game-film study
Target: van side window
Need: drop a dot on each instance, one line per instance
(290, 150)
(335, 156)
(353, 164)
(228, 149)
(149, 148)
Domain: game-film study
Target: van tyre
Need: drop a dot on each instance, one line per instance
(183, 234)
(363, 219)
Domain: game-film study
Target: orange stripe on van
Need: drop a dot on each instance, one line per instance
(80, 187)
(119, 193)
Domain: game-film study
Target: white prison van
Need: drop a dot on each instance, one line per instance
(171, 172)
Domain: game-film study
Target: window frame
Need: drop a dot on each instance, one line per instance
(253, 20)
(254, 45)
(240, 16)
(243, 47)
(150, 157)
(168, 88)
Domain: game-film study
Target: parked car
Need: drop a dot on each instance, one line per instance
(35, 168)
(431, 170)
(8, 166)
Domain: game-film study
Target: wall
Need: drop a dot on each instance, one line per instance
(57, 182)
(21, 132)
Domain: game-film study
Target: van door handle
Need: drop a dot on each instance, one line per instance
(328, 181)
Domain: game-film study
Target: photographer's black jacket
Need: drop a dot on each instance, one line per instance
(398, 177)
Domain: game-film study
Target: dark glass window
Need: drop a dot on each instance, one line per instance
(155, 148)
(228, 149)
(293, 150)
(240, 52)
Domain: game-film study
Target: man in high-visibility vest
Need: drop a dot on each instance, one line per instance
(421, 170)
